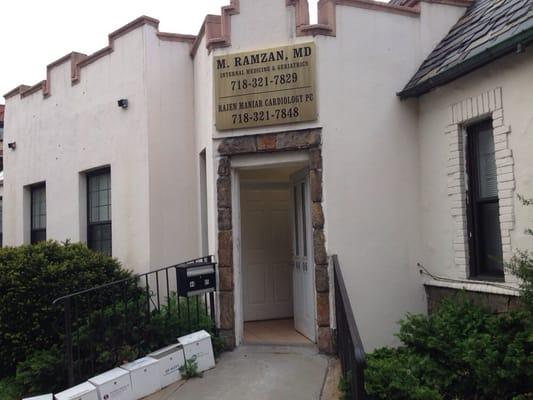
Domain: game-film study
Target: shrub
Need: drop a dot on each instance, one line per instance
(109, 327)
(121, 332)
(43, 371)
(461, 351)
(31, 277)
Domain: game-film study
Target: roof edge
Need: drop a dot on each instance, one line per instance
(80, 60)
(525, 37)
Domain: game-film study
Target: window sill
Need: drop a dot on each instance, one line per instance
(507, 289)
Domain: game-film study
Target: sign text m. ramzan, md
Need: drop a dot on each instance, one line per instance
(265, 87)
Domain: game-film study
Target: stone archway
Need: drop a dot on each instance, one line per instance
(299, 140)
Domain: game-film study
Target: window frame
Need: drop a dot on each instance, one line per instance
(92, 225)
(35, 233)
(473, 209)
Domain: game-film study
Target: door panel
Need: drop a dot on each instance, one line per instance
(303, 276)
(266, 253)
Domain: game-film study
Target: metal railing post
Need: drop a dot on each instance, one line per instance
(68, 342)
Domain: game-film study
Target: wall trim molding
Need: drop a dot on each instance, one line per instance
(486, 105)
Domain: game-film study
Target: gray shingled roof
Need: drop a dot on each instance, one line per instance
(489, 29)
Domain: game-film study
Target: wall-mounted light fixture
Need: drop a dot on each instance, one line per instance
(123, 103)
(12, 145)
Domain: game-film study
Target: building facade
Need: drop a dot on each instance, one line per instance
(272, 144)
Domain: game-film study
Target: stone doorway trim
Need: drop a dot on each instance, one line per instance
(308, 140)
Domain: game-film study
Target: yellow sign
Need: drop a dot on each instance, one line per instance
(265, 87)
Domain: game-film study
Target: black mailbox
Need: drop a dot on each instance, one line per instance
(195, 279)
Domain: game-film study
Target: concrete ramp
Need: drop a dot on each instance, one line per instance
(259, 373)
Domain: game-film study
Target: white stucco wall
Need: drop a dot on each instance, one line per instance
(172, 162)
(371, 166)
(370, 149)
(148, 147)
(513, 75)
(384, 160)
(79, 128)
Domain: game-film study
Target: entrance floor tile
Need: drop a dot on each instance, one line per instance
(275, 332)
(259, 373)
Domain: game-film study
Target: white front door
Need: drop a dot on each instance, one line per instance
(266, 252)
(303, 259)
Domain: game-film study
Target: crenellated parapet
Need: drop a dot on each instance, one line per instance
(217, 32)
(79, 60)
(217, 28)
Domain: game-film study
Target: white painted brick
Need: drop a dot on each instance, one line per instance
(500, 145)
(506, 248)
(498, 114)
(460, 254)
(452, 186)
(507, 218)
(459, 247)
(454, 190)
(479, 102)
(458, 204)
(468, 106)
(451, 129)
(475, 108)
(508, 169)
(508, 201)
(464, 111)
(457, 212)
(455, 154)
(505, 233)
(503, 153)
(506, 226)
(506, 240)
(506, 210)
(453, 137)
(454, 169)
(500, 139)
(485, 98)
(457, 115)
(500, 130)
(505, 161)
(508, 185)
(492, 102)
(460, 240)
(505, 194)
(498, 98)
(505, 178)
(455, 146)
(496, 122)
(460, 261)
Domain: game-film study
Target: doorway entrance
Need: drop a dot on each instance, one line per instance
(236, 154)
(276, 256)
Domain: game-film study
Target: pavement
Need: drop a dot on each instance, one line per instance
(257, 372)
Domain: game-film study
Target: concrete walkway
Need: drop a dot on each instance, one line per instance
(259, 373)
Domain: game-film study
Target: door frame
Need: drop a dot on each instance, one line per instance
(250, 162)
(274, 146)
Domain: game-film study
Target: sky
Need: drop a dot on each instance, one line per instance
(34, 33)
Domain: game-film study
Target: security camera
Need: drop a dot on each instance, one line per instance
(123, 103)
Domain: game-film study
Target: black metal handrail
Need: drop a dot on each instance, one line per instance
(349, 345)
(130, 316)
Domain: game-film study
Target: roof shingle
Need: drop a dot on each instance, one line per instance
(479, 36)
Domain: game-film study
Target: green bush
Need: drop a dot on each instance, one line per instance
(31, 277)
(462, 351)
(121, 332)
(109, 327)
